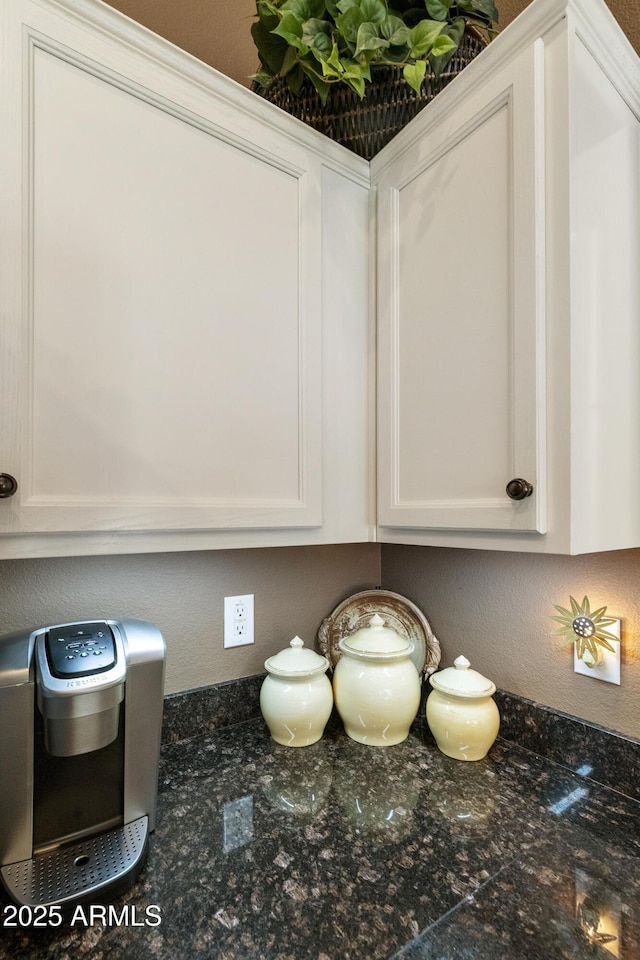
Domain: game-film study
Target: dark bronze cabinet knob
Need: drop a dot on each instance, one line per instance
(519, 489)
(8, 485)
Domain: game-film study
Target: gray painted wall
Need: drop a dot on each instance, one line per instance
(183, 593)
(496, 608)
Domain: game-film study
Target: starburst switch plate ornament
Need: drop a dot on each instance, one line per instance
(596, 639)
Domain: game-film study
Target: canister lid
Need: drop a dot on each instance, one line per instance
(460, 681)
(377, 640)
(296, 661)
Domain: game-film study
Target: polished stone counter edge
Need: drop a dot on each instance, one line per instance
(592, 751)
(587, 749)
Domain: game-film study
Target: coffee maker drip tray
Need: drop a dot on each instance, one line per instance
(81, 870)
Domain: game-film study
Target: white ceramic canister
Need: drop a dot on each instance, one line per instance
(461, 712)
(296, 698)
(376, 685)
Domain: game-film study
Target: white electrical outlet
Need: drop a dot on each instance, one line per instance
(238, 620)
(609, 667)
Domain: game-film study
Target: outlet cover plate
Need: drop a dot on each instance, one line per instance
(609, 669)
(238, 620)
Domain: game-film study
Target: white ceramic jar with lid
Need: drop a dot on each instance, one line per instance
(296, 698)
(376, 685)
(461, 712)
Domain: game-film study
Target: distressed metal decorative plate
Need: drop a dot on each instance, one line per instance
(400, 614)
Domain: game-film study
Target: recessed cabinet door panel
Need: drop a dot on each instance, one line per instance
(171, 321)
(461, 317)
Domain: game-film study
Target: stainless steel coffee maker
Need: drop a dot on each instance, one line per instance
(80, 722)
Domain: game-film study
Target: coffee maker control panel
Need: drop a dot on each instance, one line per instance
(79, 649)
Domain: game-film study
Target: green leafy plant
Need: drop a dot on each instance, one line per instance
(340, 41)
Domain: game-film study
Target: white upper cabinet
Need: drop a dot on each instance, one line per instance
(189, 280)
(175, 359)
(460, 317)
(508, 297)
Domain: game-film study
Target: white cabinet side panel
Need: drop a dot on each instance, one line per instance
(348, 348)
(605, 209)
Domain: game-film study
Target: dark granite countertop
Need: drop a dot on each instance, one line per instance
(345, 852)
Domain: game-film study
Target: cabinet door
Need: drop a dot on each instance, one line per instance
(162, 325)
(460, 301)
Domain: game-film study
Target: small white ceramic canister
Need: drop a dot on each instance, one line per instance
(296, 698)
(376, 685)
(461, 712)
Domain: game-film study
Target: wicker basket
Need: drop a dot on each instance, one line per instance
(365, 126)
